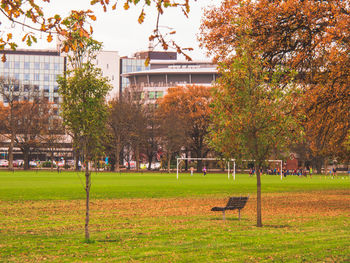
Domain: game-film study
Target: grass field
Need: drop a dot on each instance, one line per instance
(156, 218)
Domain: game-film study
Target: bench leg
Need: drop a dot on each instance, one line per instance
(239, 214)
(223, 215)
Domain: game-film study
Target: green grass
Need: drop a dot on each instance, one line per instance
(156, 218)
(44, 185)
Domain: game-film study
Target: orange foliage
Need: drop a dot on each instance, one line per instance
(191, 105)
(310, 37)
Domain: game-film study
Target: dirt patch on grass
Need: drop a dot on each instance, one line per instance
(331, 203)
(308, 204)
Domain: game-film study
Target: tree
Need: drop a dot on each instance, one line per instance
(151, 144)
(171, 131)
(32, 124)
(251, 112)
(120, 123)
(191, 105)
(53, 136)
(84, 109)
(310, 37)
(31, 17)
(24, 118)
(11, 94)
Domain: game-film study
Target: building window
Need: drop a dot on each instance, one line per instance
(7, 64)
(26, 65)
(47, 66)
(26, 76)
(16, 76)
(107, 66)
(26, 88)
(46, 77)
(57, 66)
(16, 88)
(55, 89)
(151, 94)
(17, 65)
(159, 94)
(46, 89)
(36, 76)
(36, 65)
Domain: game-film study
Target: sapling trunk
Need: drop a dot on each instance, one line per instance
(87, 190)
(258, 198)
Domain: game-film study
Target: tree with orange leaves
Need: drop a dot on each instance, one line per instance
(190, 105)
(251, 111)
(310, 37)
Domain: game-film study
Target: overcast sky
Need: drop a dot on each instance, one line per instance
(120, 31)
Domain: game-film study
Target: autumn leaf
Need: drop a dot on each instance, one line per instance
(92, 17)
(126, 6)
(49, 38)
(141, 17)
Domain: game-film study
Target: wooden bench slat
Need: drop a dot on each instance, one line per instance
(232, 204)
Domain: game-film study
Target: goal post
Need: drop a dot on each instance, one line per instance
(178, 160)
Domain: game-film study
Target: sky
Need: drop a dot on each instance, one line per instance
(120, 31)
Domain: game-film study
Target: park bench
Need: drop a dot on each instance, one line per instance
(232, 204)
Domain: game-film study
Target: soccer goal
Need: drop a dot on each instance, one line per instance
(179, 160)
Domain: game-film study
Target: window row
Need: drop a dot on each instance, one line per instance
(32, 76)
(32, 65)
(28, 88)
(152, 95)
(55, 100)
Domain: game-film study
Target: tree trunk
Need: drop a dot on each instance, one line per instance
(150, 159)
(137, 155)
(258, 197)
(51, 161)
(169, 161)
(318, 163)
(117, 156)
(11, 151)
(87, 190)
(26, 159)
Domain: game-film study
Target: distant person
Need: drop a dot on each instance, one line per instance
(310, 172)
(204, 171)
(334, 171)
(192, 169)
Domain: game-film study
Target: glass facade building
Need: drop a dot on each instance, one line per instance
(128, 65)
(35, 68)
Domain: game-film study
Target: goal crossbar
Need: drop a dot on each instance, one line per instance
(178, 160)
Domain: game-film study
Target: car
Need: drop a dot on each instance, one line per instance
(4, 163)
(18, 163)
(33, 164)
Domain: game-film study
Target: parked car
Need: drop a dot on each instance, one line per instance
(60, 163)
(33, 164)
(4, 163)
(18, 163)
